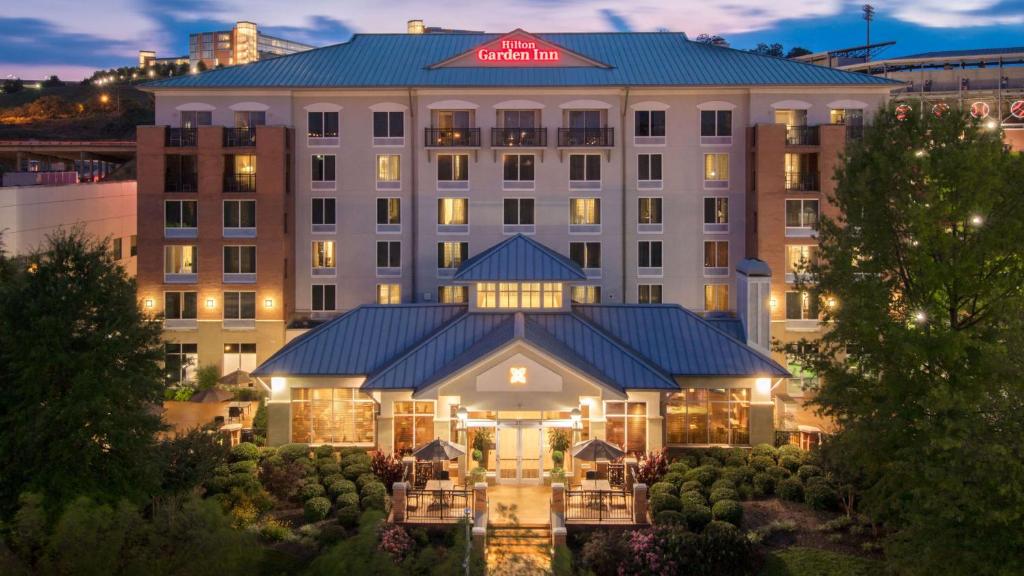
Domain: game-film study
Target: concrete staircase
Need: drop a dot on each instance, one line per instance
(518, 550)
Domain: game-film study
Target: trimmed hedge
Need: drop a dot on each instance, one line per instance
(316, 509)
(678, 467)
(662, 488)
(341, 486)
(346, 499)
(670, 517)
(662, 502)
(365, 479)
(244, 466)
(723, 483)
(374, 502)
(245, 451)
(354, 471)
(764, 485)
(691, 486)
(724, 494)
(355, 458)
(808, 471)
(675, 478)
(821, 496)
(706, 475)
(761, 463)
(292, 452)
(695, 497)
(327, 466)
(697, 515)
(324, 451)
(789, 463)
(348, 516)
(791, 489)
(728, 511)
(311, 490)
(789, 450)
(764, 450)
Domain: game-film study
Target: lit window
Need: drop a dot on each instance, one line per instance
(453, 294)
(552, 297)
(508, 295)
(323, 254)
(584, 211)
(181, 260)
(800, 257)
(389, 210)
(452, 211)
(486, 295)
(332, 416)
(388, 168)
(708, 416)
(716, 167)
(716, 297)
(716, 254)
(649, 211)
(626, 425)
(801, 305)
(413, 424)
(117, 248)
(180, 363)
(530, 295)
(389, 294)
(586, 295)
(649, 293)
(452, 254)
(716, 210)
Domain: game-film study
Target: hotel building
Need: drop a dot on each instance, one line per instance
(525, 229)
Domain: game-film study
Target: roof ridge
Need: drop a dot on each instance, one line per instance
(745, 346)
(625, 346)
(288, 348)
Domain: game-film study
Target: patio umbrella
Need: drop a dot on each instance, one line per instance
(596, 449)
(211, 395)
(438, 450)
(236, 378)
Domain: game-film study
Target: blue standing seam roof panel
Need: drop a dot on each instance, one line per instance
(634, 59)
(519, 259)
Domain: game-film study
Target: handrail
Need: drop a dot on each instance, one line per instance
(513, 137)
(451, 137)
(586, 137)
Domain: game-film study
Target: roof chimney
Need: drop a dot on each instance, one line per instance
(415, 27)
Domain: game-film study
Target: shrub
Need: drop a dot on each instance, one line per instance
(728, 511)
(706, 475)
(792, 451)
(373, 489)
(738, 474)
(267, 452)
(791, 489)
(367, 478)
(670, 517)
(777, 472)
(662, 488)
(395, 541)
(349, 450)
(316, 509)
(724, 494)
(347, 499)
(324, 451)
(726, 550)
(274, 531)
(674, 478)
(764, 485)
(697, 515)
(821, 496)
(735, 461)
(745, 491)
(808, 471)
(603, 552)
(660, 502)
(292, 452)
(652, 468)
(331, 479)
(691, 486)
(678, 467)
(761, 463)
(341, 486)
(388, 468)
(764, 451)
(354, 471)
(281, 478)
(355, 458)
(789, 463)
(348, 516)
(695, 497)
(244, 466)
(311, 490)
(327, 466)
(245, 451)
(723, 483)
(374, 502)
(710, 461)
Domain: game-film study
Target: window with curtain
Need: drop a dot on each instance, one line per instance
(716, 297)
(584, 211)
(389, 210)
(552, 295)
(453, 294)
(716, 167)
(413, 424)
(452, 167)
(708, 416)
(486, 295)
(323, 254)
(649, 211)
(626, 425)
(389, 294)
(452, 211)
(332, 416)
(389, 168)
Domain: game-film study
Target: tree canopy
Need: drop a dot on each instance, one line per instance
(921, 367)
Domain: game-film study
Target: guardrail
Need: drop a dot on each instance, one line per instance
(451, 137)
(178, 137)
(802, 135)
(585, 137)
(512, 137)
(236, 137)
(437, 505)
(614, 506)
(802, 181)
(240, 183)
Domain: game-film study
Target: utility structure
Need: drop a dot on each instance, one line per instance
(869, 15)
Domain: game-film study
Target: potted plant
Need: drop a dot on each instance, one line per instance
(482, 441)
(558, 442)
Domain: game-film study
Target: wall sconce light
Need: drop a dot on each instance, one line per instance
(148, 302)
(278, 385)
(210, 303)
(268, 303)
(764, 385)
(773, 303)
(576, 417)
(831, 302)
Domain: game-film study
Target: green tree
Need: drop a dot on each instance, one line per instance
(80, 373)
(921, 367)
(767, 49)
(797, 51)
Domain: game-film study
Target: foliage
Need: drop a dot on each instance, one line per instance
(274, 531)
(662, 488)
(189, 460)
(79, 363)
(764, 484)
(207, 376)
(281, 478)
(670, 517)
(561, 561)
(797, 561)
(559, 440)
(728, 511)
(347, 499)
(395, 541)
(316, 509)
(697, 515)
(292, 452)
(259, 420)
(245, 451)
(12, 85)
(704, 474)
(723, 494)
(659, 502)
(348, 516)
(670, 549)
(807, 471)
(764, 451)
(652, 467)
(311, 490)
(179, 393)
(340, 486)
(693, 496)
(678, 467)
(791, 489)
(774, 49)
(821, 496)
(602, 552)
(388, 468)
(324, 451)
(354, 471)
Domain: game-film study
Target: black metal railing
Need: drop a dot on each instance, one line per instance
(511, 137)
(584, 137)
(451, 137)
(240, 182)
(802, 181)
(437, 504)
(802, 135)
(235, 137)
(180, 183)
(617, 475)
(178, 137)
(598, 506)
(854, 131)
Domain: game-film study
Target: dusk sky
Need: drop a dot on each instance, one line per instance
(72, 38)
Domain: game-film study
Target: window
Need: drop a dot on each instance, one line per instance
(508, 295)
(584, 211)
(323, 256)
(196, 118)
(586, 295)
(389, 254)
(716, 170)
(649, 293)
(716, 297)
(389, 170)
(529, 294)
(180, 361)
(716, 254)
(801, 171)
(801, 217)
(552, 295)
(324, 213)
(181, 260)
(708, 416)
(518, 212)
(239, 305)
(799, 258)
(332, 416)
(239, 357)
(180, 306)
(716, 123)
(452, 211)
(649, 123)
(649, 211)
(250, 118)
(133, 245)
(117, 248)
(388, 125)
(791, 117)
(323, 168)
(649, 254)
(414, 424)
(716, 214)
(180, 173)
(627, 425)
(453, 167)
(801, 305)
(584, 168)
(519, 295)
(453, 294)
(452, 254)
(648, 167)
(240, 173)
(323, 297)
(323, 124)
(518, 167)
(586, 254)
(389, 294)
(848, 116)
(389, 213)
(240, 260)
(486, 295)
(239, 214)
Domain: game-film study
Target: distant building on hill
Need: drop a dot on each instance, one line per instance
(242, 44)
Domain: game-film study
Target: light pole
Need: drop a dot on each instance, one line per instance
(869, 15)
(577, 428)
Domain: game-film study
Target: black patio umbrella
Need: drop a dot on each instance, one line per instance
(236, 378)
(212, 395)
(596, 449)
(438, 449)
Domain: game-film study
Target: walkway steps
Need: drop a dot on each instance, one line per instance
(518, 550)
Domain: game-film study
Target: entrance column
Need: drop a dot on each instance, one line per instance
(463, 438)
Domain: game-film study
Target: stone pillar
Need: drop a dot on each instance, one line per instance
(640, 504)
(558, 499)
(398, 504)
(558, 536)
(479, 499)
(464, 459)
(409, 464)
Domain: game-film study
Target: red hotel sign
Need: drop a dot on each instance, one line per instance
(513, 51)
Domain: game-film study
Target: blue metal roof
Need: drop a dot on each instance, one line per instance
(679, 341)
(729, 324)
(519, 259)
(633, 58)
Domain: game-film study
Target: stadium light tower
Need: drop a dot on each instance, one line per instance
(869, 15)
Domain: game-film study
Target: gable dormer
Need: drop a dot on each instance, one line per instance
(519, 49)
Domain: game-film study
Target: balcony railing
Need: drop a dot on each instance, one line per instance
(178, 137)
(584, 137)
(512, 137)
(180, 183)
(802, 181)
(236, 137)
(451, 137)
(437, 505)
(802, 135)
(240, 182)
(597, 506)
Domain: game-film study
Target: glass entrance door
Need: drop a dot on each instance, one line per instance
(519, 452)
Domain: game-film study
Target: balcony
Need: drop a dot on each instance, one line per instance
(240, 182)
(519, 137)
(586, 137)
(181, 137)
(854, 131)
(802, 136)
(803, 181)
(451, 137)
(180, 183)
(239, 137)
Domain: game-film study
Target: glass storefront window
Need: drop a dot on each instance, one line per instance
(413, 424)
(332, 416)
(708, 416)
(626, 425)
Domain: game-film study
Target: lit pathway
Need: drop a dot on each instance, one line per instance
(519, 532)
